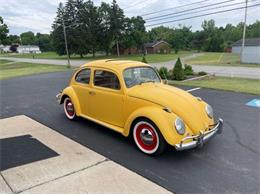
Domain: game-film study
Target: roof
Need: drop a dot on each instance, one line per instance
(113, 64)
(30, 46)
(248, 42)
(154, 43)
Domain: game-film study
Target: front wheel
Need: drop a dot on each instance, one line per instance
(69, 109)
(148, 138)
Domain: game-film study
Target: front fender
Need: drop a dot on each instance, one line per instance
(69, 91)
(162, 119)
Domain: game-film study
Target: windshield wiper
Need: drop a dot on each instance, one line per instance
(148, 81)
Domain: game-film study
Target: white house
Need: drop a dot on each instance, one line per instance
(5, 48)
(28, 49)
(251, 52)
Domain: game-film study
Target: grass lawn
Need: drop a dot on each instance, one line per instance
(231, 84)
(10, 70)
(219, 58)
(149, 57)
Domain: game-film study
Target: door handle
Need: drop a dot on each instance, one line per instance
(92, 93)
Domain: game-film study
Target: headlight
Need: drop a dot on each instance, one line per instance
(179, 126)
(209, 111)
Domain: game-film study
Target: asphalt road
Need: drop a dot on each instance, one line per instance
(227, 71)
(230, 163)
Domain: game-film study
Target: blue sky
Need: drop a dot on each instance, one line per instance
(38, 15)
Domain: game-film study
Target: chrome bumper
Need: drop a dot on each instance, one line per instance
(58, 97)
(199, 140)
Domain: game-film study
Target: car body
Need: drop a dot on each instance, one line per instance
(130, 98)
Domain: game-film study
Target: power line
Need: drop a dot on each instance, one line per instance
(213, 8)
(222, 11)
(162, 10)
(135, 4)
(191, 9)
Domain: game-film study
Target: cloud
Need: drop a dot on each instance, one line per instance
(38, 15)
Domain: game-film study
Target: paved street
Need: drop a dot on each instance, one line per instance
(229, 163)
(228, 71)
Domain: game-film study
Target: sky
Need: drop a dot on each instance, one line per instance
(38, 15)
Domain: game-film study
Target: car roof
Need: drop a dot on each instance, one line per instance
(113, 64)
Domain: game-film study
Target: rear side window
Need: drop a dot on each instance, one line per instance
(106, 79)
(83, 76)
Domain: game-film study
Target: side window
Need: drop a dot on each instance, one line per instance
(83, 76)
(106, 79)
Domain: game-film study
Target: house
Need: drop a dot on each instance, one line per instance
(5, 48)
(251, 52)
(28, 49)
(157, 47)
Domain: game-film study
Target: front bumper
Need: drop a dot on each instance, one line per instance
(199, 140)
(58, 97)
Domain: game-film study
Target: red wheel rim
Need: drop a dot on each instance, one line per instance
(146, 137)
(69, 108)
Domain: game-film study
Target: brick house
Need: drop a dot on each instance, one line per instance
(157, 47)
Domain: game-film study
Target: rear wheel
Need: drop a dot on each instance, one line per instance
(148, 138)
(69, 109)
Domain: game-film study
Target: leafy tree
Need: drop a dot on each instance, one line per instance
(116, 22)
(3, 31)
(178, 73)
(43, 41)
(27, 38)
(105, 37)
(91, 18)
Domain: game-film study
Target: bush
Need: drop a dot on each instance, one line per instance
(164, 74)
(202, 73)
(188, 70)
(144, 60)
(178, 72)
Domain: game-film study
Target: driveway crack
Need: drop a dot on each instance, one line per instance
(238, 139)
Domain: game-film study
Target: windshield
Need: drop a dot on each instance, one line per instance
(138, 75)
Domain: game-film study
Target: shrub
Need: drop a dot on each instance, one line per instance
(188, 70)
(178, 73)
(144, 59)
(202, 73)
(164, 74)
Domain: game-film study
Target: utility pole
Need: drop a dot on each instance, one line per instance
(244, 34)
(65, 38)
(117, 48)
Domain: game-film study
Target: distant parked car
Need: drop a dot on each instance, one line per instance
(130, 98)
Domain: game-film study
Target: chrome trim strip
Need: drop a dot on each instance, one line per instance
(200, 139)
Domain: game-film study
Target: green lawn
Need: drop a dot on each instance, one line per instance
(150, 57)
(10, 70)
(219, 58)
(231, 84)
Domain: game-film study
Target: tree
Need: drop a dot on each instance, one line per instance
(117, 22)
(105, 37)
(134, 34)
(178, 72)
(3, 31)
(27, 38)
(91, 19)
(43, 41)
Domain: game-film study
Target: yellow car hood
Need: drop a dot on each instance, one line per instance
(183, 104)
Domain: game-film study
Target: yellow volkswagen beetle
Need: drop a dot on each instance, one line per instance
(130, 98)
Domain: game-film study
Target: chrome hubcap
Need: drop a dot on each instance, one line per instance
(69, 107)
(146, 136)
